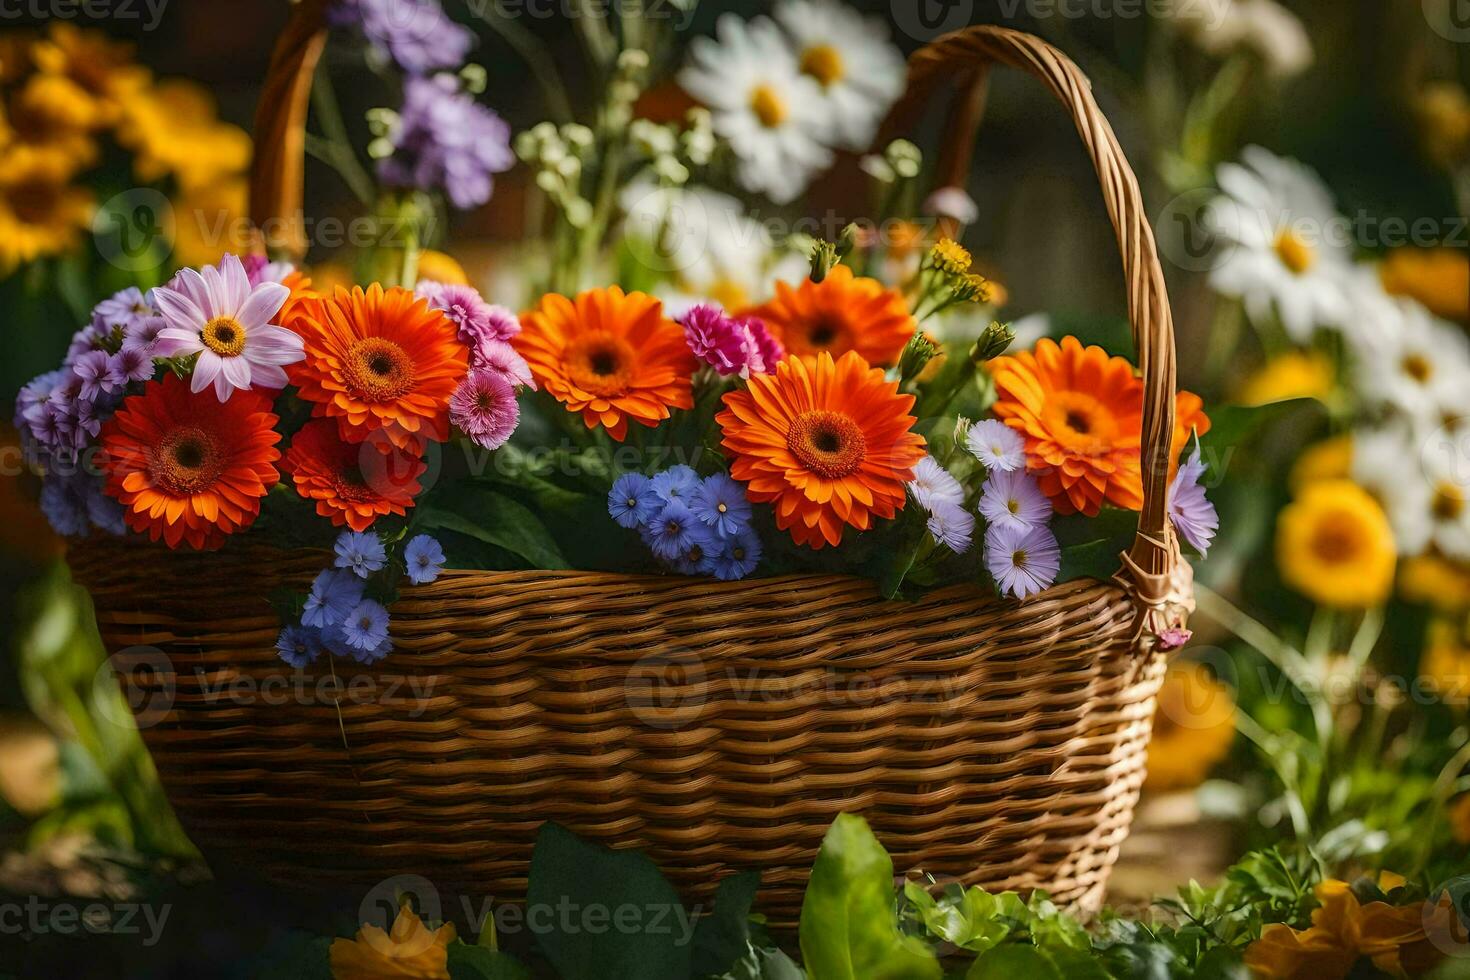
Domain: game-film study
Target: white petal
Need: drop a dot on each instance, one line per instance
(235, 282)
(263, 303)
(179, 309)
(206, 369)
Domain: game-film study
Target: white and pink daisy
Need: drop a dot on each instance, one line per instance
(933, 485)
(216, 314)
(1013, 500)
(1193, 515)
(1023, 561)
(952, 526)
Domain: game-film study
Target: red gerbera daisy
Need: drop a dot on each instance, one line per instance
(352, 483)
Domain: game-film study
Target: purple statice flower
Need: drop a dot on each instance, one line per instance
(767, 350)
(501, 357)
(144, 335)
(997, 445)
(424, 557)
(952, 526)
(1012, 499)
(64, 503)
(698, 557)
(485, 408)
(125, 309)
(676, 483)
(334, 594)
(721, 504)
(1193, 515)
(33, 400)
(87, 422)
(417, 35)
(130, 364)
(446, 140)
(299, 645)
(1023, 561)
(738, 556)
(717, 340)
(360, 551)
(632, 501)
(93, 372)
(933, 485)
(89, 338)
(673, 530)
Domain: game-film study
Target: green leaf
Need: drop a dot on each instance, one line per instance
(971, 919)
(478, 963)
(849, 930)
(1221, 963)
(497, 520)
(723, 936)
(295, 956)
(605, 915)
(1091, 546)
(1232, 426)
(1013, 962)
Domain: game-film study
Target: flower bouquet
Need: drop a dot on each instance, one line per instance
(623, 565)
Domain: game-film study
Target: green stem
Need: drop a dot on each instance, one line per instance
(1444, 788)
(1258, 736)
(337, 144)
(536, 56)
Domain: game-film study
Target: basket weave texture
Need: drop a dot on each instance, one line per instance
(716, 726)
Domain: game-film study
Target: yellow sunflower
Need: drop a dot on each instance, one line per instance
(1298, 374)
(1430, 580)
(39, 215)
(48, 123)
(1445, 666)
(101, 71)
(172, 129)
(1334, 545)
(1331, 459)
(1194, 726)
(1437, 277)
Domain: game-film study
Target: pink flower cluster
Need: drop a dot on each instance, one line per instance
(485, 406)
(730, 345)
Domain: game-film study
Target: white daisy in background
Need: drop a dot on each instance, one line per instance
(762, 104)
(1386, 463)
(860, 73)
(1284, 249)
(997, 445)
(706, 246)
(1263, 27)
(1013, 500)
(1448, 470)
(1412, 362)
(933, 485)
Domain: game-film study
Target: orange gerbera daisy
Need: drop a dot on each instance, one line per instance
(1082, 415)
(612, 356)
(380, 361)
(839, 314)
(352, 483)
(188, 467)
(827, 442)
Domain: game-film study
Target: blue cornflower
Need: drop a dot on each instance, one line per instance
(699, 557)
(299, 645)
(334, 638)
(720, 502)
(334, 594)
(676, 483)
(671, 531)
(365, 629)
(739, 556)
(424, 557)
(360, 551)
(632, 500)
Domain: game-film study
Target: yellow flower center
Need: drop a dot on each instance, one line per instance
(824, 63)
(185, 461)
(1418, 367)
(225, 336)
(600, 364)
(1295, 253)
(378, 370)
(1449, 501)
(768, 106)
(1337, 539)
(828, 444)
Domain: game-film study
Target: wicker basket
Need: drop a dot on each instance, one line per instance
(716, 726)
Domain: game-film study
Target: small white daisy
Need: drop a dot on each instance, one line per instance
(1012, 499)
(1412, 362)
(952, 526)
(860, 73)
(1285, 248)
(997, 445)
(933, 485)
(762, 105)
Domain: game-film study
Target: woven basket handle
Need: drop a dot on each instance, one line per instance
(967, 55)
